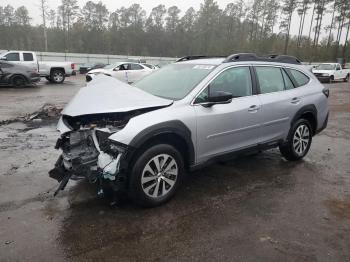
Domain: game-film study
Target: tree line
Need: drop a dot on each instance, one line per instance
(260, 26)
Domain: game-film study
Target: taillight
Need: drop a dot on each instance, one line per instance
(72, 66)
(326, 92)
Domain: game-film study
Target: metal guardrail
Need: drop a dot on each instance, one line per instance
(80, 58)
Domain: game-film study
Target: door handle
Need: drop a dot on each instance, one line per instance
(296, 100)
(253, 108)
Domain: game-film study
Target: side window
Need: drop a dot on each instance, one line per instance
(123, 67)
(236, 81)
(299, 77)
(28, 57)
(338, 67)
(12, 56)
(135, 67)
(270, 79)
(202, 97)
(287, 82)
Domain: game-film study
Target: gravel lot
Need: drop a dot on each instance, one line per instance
(258, 208)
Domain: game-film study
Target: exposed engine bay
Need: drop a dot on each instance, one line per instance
(88, 153)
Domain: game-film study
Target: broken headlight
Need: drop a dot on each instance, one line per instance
(116, 147)
(109, 146)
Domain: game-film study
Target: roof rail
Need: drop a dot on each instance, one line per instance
(241, 57)
(195, 57)
(285, 59)
(267, 58)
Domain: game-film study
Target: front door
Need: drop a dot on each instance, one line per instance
(223, 128)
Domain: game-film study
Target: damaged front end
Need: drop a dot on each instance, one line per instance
(97, 111)
(87, 151)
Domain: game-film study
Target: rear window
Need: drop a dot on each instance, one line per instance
(300, 78)
(28, 57)
(135, 67)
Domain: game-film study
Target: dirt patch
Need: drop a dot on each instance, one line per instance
(339, 207)
(46, 112)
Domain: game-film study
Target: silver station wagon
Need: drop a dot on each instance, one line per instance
(142, 139)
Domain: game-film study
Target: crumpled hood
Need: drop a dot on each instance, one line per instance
(108, 95)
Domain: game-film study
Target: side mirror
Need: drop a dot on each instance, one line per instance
(3, 58)
(115, 69)
(218, 97)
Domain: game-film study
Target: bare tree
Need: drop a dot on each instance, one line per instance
(331, 26)
(43, 9)
(287, 12)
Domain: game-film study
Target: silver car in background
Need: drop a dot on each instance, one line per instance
(142, 139)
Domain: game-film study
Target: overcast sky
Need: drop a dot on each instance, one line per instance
(112, 5)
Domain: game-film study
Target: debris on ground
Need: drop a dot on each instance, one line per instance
(12, 170)
(47, 111)
(269, 239)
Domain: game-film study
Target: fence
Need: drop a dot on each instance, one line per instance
(80, 59)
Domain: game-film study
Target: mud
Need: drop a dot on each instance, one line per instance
(257, 208)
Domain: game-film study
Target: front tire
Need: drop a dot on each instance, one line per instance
(298, 142)
(18, 81)
(331, 79)
(156, 175)
(57, 76)
(346, 79)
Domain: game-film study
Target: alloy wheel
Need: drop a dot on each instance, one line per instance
(159, 176)
(58, 76)
(301, 139)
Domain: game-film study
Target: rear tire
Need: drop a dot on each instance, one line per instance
(298, 142)
(156, 175)
(18, 81)
(346, 79)
(57, 76)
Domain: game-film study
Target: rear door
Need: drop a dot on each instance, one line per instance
(28, 59)
(136, 72)
(279, 99)
(223, 128)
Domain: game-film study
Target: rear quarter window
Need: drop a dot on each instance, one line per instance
(300, 78)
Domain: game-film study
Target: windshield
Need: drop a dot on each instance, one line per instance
(174, 81)
(111, 66)
(325, 67)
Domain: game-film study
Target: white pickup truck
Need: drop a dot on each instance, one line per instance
(329, 72)
(55, 72)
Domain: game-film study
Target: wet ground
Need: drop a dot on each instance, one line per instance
(258, 208)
